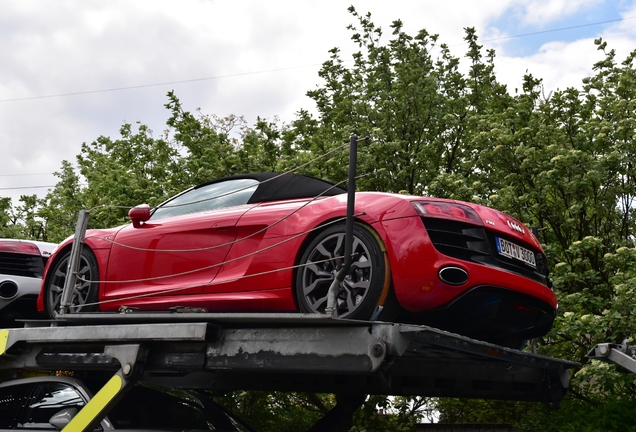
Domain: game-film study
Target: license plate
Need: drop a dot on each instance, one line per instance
(514, 251)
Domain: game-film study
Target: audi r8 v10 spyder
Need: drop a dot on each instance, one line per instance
(21, 267)
(267, 242)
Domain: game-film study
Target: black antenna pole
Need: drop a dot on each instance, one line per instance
(332, 307)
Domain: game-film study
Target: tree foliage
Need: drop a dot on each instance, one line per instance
(437, 125)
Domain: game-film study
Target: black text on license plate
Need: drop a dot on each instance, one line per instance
(511, 250)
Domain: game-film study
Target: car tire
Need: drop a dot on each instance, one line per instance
(85, 294)
(365, 287)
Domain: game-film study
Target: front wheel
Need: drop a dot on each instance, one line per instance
(86, 292)
(365, 286)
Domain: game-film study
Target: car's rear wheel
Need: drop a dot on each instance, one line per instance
(86, 291)
(364, 288)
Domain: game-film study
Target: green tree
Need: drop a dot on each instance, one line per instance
(205, 141)
(113, 175)
(562, 162)
(62, 204)
(9, 220)
(418, 111)
(22, 221)
(278, 411)
(132, 170)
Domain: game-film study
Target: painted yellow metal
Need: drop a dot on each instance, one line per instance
(4, 338)
(87, 414)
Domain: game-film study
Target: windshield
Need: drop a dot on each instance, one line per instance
(208, 197)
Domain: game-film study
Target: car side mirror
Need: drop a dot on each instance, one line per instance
(139, 214)
(62, 418)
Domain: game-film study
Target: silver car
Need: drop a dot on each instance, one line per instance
(21, 266)
(50, 402)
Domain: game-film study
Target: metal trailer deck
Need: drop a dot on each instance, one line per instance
(287, 352)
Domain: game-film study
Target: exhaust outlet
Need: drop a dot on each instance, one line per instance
(453, 275)
(8, 289)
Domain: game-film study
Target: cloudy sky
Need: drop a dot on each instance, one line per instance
(72, 70)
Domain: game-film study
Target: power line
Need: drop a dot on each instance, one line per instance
(27, 187)
(559, 29)
(31, 174)
(285, 68)
(156, 84)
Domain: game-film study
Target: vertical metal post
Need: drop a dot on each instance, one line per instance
(332, 306)
(351, 202)
(73, 262)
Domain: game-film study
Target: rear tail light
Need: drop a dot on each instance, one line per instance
(446, 211)
(19, 247)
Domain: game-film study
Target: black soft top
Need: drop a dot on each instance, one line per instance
(275, 187)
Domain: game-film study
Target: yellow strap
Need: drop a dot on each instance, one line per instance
(95, 405)
(4, 339)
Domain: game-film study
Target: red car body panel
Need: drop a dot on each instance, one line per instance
(242, 258)
(192, 245)
(415, 264)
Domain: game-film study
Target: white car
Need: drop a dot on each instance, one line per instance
(21, 266)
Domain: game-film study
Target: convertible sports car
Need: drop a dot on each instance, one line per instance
(21, 266)
(268, 242)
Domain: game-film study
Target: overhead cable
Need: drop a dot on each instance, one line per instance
(115, 89)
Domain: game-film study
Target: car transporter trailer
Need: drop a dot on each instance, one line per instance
(620, 354)
(187, 348)
(284, 352)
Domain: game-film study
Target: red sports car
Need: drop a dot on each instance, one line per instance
(268, 242)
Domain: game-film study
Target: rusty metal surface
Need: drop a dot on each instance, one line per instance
(292, 352)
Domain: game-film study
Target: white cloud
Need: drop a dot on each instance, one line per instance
(544, 12)
(49, 48)
(562, 64)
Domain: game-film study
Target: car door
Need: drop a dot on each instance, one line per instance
(267, 233)
(30, 406)
(12, 404)
(181, 247)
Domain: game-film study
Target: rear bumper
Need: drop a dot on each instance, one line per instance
(23, 301)
(416, 263)
(492, 314)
